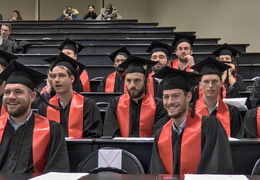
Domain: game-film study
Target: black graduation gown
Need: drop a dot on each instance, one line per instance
(92, 118)
(111, 126)
(16, 149)
(236, 121)
(250, 124)
(255, 94)
(239, 84)
(216, 155)
(118, 87)
(157, 89)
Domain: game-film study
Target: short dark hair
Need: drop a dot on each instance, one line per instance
(8, 25)
(91, 5)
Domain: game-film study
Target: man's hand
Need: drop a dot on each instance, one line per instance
(190, 60)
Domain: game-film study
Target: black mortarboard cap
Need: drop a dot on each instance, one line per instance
(74, 66)
(136, 64)
(72, 45)
(6, 58)
(210, 65)
(179, 38)
(159, 46)
(51, 60)
(121, 51)
(17, 73)
(176, 79)
(226, 49)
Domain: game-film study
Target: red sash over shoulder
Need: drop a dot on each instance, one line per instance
(85, 81)
(223, 113)
(175, 65)
(43, 89)
(148, 109)
(3, 110)
(110, 83)
(75, 120)
(191, 140)
(224, 92)
(151, 84)
(258, 121)
(40, 141)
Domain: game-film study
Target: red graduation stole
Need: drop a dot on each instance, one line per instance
(224, 92)
(85, 81)
(175, 65)
(110, 83)
(190, 146)
(43, 89)
(258, 121)
(40, 141)
(75, 120)
(150, 85)
(223, 113)
(148, 109)
(3, 110)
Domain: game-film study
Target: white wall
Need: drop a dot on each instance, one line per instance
(234, 21)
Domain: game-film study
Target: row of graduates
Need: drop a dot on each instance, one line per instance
(32, 143)
(66, 102)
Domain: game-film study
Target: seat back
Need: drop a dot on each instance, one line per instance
(256, 168)
(130, 164)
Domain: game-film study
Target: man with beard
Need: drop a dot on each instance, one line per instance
(136, 113)
(183, 44)
(5, 59)
(114, 82)
(78, 115)
(188, 143)
(210, 101)
(30, 143)
(160, 53)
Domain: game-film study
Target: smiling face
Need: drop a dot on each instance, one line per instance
(162, 60)
(5, 31)
(210, 85)
(17, 99)
(176, 102)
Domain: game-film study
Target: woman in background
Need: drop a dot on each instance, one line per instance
(91, 15)
(16, 16)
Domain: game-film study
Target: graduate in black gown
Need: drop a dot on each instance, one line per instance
(29, 142)
(136, 113)
(78, 115)
(114, 82)
(211, 103)
(5, 59)
(160, 53)
(252, 123)
(189, 142)
(229, 55)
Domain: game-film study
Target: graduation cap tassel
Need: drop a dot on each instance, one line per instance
(46, 102)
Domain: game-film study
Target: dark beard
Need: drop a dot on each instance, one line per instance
(139, 93)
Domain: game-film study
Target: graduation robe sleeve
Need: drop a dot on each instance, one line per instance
(111, 126)
(236, 124)
(239, 84)
(102, 84)
(215, 156)
(250, 123)
(57, 153)
(161, 117)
